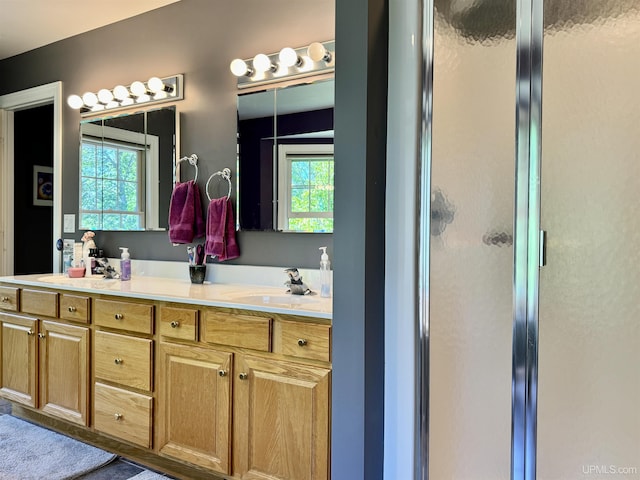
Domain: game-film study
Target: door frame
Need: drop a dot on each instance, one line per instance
(50, 93)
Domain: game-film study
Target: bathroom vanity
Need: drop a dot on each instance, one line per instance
(199, 381)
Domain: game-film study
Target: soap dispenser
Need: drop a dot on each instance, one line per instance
(325, 274)
(125, 264)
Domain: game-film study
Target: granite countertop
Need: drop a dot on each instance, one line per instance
(247, 297)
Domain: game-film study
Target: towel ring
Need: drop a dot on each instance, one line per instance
(193, 160)
(226, 174)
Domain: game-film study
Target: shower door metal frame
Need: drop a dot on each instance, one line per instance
(527, 244)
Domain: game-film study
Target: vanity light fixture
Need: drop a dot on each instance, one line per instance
(155, 90)
(315, 60)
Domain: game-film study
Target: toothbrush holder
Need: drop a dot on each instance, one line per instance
(197, 273)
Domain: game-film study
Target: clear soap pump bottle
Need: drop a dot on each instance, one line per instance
(325, 274)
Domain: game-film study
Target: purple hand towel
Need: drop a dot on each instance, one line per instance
(221, 230)
(185, 213)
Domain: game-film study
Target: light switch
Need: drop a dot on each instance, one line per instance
(69, 223)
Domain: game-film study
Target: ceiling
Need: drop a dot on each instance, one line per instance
(29, 24)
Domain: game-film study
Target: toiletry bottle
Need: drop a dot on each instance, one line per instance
(325, 274)
(125, 264)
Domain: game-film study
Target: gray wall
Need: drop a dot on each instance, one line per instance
(197, 38)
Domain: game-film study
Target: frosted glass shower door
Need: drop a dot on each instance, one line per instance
(589, 305)
(471, 251)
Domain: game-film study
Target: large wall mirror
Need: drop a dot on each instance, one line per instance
(285, 161)
(126, 170)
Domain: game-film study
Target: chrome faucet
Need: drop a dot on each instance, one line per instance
(295, 283)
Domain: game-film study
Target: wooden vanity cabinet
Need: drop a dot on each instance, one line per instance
(242, 394)
(45, 365)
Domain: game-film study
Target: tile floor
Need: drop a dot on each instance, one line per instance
(119, 469)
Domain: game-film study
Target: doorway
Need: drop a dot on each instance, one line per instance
(9, 104)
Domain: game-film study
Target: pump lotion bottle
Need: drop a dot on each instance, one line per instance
(125, 264)
(325, 274)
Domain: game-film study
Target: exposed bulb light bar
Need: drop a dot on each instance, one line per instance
(316, 59)
(155, 90)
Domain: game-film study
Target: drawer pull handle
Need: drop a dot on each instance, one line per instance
(29, 332)
(118, 316)
(72, 309)
(117, 416)
(42, 336)
(302, 342)
(175, 324)
(4, 299)
(222, 373)
(117, 361)
(243, 376)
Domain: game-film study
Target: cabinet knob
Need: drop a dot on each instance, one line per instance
(42, 336)
(175, 324)
(4, 299)
(222, 373)
(302, 342)
(72, 309)
(117, 361)
(243, 376)
(117, 416)
(29, 332)
(118, 316)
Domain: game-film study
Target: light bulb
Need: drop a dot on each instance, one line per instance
(155, 84)
(239, 68)
(105, 96)
(160, 95)
(90, 99)
(317, 52)
(121, 92)
(143, 98)
(75, 102)
(138, 88)
(126, 101)
(288, 57)
(262, 63)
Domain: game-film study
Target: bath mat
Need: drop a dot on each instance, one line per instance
(30, 452)
(149, 475)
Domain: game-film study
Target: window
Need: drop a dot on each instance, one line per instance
(112, 180)
(305, 191)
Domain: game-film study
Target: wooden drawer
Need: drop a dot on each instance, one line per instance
(123, 414)
(74, 308)
(39, 302)
(135, 317)
(124, 360)
(9, 298)
(244, 331)
(179, 323)
(305, 340)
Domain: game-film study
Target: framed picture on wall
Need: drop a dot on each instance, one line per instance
(42, 185)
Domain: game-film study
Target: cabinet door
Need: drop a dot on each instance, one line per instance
(195, 405)
(281, 420)
(64, 371)
(18, 375)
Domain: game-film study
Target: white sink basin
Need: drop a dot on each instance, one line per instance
(287, 300)
(83, 282)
